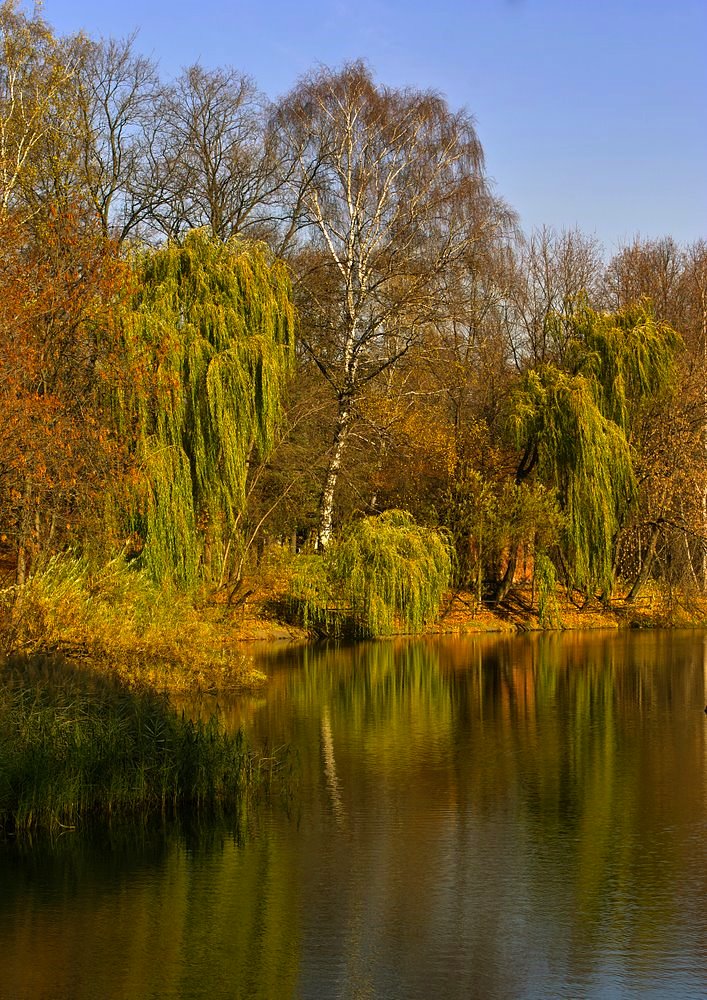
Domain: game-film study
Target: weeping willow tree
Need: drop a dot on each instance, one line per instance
(212, 330)
(380, 571)
(573, 425)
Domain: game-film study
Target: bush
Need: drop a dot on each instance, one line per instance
(116, 615)
(381, 573)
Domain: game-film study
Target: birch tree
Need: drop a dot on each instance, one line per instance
(37, 108)
(387, 191)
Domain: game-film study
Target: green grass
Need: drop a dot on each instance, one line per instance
(74, 751)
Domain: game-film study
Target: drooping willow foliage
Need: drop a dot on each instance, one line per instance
(577, 423)
(549, 615)
(628, 357)
(213, 326)
(380, 571)
(586, 457)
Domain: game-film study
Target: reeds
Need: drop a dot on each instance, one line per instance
(69, 757)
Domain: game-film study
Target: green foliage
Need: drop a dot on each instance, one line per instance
(69, 755)
(212, 325)
(577, 425)
(380, 570)
(469, 510)
(627, 356)
(488, 519)
(312, 595)
(587, 459)
(392, 566)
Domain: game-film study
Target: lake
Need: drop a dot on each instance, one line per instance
(492, 817)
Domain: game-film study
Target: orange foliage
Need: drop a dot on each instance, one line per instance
(61, 284)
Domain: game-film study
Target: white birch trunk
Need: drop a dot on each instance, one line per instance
(326, 505)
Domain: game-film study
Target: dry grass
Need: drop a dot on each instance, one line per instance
(116, 617)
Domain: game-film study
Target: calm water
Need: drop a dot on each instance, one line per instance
(494, 817)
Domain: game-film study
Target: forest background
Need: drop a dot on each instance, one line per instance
(306, 342)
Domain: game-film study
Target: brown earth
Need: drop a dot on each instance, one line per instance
(461, 614)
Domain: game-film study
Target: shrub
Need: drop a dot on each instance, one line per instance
(381, 573)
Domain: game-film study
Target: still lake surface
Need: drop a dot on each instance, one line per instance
(489, 817)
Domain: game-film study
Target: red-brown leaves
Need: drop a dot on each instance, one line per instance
(61, 283)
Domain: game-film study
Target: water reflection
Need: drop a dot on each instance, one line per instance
(492, 817)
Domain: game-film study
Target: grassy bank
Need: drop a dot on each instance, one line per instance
(656, 607)
(76, 749)
(85, 736)
(126, 626)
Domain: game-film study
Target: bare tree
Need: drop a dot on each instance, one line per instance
(117, 94)
(387, 193)
(209, 163)
(649, 269)
(552, 270)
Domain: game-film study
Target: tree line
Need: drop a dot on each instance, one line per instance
(226, 321)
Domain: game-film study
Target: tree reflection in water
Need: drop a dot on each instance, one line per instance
(490, 817)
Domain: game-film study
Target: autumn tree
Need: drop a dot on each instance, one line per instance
(37, 109)
(573, 420)
(667, 533)
(695, 284)
(60, 287)
(211, 327)
(648, 269)
(387, 191)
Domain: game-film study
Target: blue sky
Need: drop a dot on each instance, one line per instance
(591, 112)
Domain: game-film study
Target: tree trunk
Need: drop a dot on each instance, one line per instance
(527, 464)
(326, 503)
(24, 543)
(507, 581)
(645, 565)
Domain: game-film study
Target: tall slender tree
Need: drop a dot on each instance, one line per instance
(387, 192)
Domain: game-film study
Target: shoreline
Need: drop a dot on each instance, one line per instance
(461, 614)
(222, 655)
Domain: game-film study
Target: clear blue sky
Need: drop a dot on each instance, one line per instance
(592, 113)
